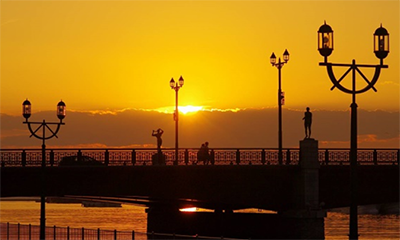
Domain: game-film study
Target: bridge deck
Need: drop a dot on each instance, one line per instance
(226, 187)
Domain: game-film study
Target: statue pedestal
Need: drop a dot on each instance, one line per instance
(309, 177)
(307, 217)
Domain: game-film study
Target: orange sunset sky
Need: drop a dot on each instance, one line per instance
(115, 55)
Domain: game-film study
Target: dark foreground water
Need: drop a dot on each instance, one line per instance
(129, 217)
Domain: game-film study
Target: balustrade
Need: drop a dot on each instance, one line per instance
(188, 156)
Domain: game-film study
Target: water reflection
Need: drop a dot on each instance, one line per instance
(131, 217)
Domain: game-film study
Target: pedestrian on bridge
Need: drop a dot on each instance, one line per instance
(203, 154)
(206, 154)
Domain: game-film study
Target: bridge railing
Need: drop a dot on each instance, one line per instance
(188, 156)
(12, 231)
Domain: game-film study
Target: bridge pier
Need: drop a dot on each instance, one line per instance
(307, 217)
(288, 225)
(304, 219)
(225, 224)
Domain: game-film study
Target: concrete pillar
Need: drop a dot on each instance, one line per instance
(309, 176)
(306, 220)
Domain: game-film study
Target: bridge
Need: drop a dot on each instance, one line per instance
(235, 179)
(188, 156)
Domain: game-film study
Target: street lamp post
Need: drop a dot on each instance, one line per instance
(176, 86)
(381, 50)
(26, 112)
(281, 99)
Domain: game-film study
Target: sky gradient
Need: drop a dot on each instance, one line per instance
(100, 56)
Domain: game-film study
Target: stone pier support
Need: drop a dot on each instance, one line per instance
(307, 217)
(308, 185)
(226, 224)
(302, 218)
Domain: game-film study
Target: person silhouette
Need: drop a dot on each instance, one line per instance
(206, 154)
(307, 122)
(200, 154)
(158, 133)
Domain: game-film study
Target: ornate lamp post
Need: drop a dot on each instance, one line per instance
(176, 86)
(381, 49)
(26, 112)
(281, 98)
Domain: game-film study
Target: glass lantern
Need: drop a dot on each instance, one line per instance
(381, 43)
(181, 81)
(61, 110)
(325, 40)
(26, 109)
(172, 83)
(273, 59)
(286, 55)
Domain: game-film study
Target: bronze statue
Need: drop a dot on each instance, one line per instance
(307, 122)
(158, 133)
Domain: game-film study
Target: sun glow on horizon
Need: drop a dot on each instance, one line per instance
(182, 109)
(190, 109)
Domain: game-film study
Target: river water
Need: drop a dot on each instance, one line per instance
(130, 217)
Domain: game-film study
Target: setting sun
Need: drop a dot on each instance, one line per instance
(190, 109)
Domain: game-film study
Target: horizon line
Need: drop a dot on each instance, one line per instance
(190, 109)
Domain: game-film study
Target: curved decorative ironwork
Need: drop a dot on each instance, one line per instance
(46, 126)
(337, 84)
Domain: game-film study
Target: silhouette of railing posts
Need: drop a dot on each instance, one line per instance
(20, 231)
(186, 157)
(263, 157)
(23, 158)
(133, 157)
(288, 157)
(106, 158)
(398, 157)
(257, 156)
(51, 158)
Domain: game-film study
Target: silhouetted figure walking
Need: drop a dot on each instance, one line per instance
(307, 122)
(206, 154)
(200, 154)
(203, 154)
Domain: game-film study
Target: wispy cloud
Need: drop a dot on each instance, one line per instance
(99, 112)
(166, 110)
(364, 141)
